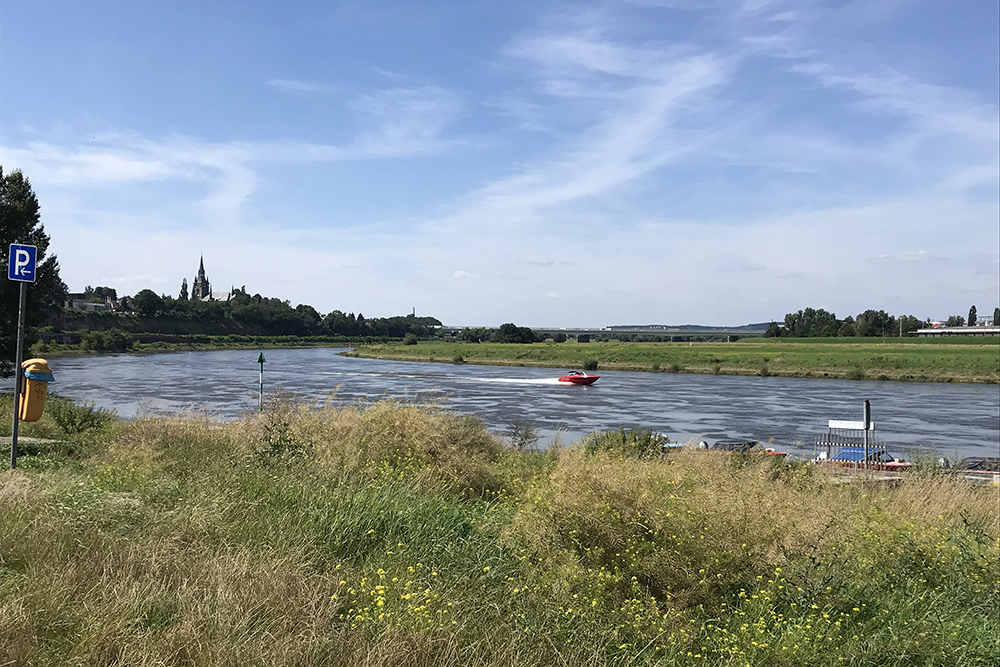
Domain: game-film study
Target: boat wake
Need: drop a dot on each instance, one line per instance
(456, 378)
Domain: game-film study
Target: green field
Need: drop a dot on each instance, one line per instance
(913, 360)
(394, 534)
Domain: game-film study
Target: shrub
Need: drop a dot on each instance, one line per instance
(112, 340)
(635, 442)
(74, 419)
(410, 339)
(590, 365)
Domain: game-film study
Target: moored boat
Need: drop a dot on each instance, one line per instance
(579, 377)
(742, 446)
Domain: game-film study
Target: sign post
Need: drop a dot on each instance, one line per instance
(261, 360)
(21, 268)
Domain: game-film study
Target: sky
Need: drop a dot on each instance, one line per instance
(547, 163)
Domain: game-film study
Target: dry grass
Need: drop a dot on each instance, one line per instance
(395, 534)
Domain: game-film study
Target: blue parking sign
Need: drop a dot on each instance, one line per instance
(21, 264)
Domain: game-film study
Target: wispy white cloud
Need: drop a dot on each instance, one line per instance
(402, 122)
(297, 86)
(632, 132)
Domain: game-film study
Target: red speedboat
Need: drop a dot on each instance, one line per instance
(578, 377)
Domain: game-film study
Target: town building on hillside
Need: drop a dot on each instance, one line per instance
(80, 301)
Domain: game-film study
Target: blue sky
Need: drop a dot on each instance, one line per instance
(544, 163)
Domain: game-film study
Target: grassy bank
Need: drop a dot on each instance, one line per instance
(908, 360)
(392, 534)
(187, 343)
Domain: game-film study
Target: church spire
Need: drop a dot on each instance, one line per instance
(201, 289)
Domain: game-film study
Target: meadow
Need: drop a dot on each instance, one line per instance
(973, 360)
(396, 534)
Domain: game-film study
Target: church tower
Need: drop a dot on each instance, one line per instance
(200, 289)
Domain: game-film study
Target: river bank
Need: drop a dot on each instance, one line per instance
(900, 360)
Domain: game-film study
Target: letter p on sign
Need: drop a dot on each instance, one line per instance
(21, 264)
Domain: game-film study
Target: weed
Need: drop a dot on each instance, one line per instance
(522, 434)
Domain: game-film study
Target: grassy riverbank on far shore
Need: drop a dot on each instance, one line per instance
(191, 343)
(970, 360)
(387, 533)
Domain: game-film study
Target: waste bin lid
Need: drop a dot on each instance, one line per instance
(37, 369)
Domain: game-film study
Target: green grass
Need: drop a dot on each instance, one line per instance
(911, 360)
(396, 534)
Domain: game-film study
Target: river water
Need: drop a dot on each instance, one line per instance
(955, 419)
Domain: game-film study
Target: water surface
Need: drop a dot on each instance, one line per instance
(955, 419)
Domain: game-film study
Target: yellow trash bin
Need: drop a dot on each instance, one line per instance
(34, 387)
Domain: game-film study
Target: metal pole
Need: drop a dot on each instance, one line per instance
(18, 375)
(261, 360)
(868, 423)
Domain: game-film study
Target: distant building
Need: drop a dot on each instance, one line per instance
(940, 331)
(201, 289)
(78, 300)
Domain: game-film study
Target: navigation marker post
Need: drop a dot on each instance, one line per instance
(261, 360)
(20, 267)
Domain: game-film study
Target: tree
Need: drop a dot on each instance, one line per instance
(875, 323)
(183, 296)
(996, 317)
(848, 328)
(973, 316)
(810, 322)
(147, 303)
(99, 294)
(955, 321)
(909, 323)
(511, 333)
(773, 331)
(20, 222)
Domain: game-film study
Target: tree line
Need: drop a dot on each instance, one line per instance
(243, 313)
(871, 323)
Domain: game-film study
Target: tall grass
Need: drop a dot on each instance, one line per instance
(396, 534)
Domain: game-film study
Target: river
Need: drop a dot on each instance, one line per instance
(955, 419)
